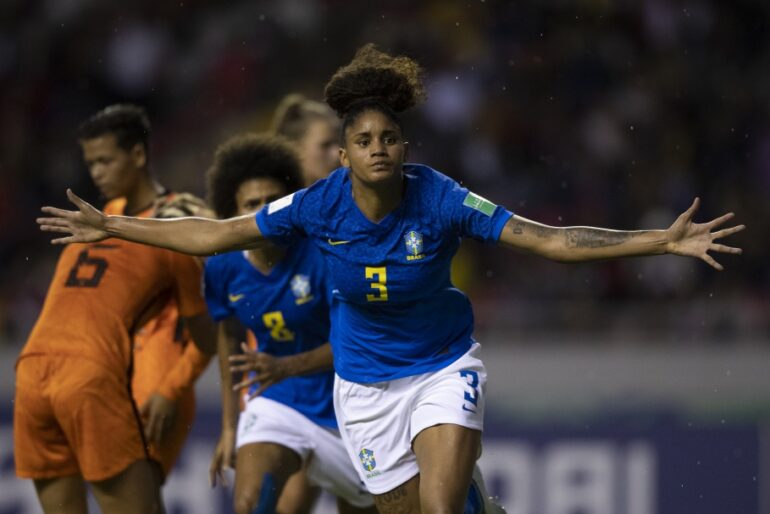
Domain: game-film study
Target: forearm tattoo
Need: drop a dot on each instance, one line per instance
(575, 237)
(394, 502)
(585, 237)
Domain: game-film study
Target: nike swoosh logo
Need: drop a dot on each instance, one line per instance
(469, 410)
(234, 297)
(335, 243)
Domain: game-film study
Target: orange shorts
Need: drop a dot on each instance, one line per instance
(73, 416)
(152, 361)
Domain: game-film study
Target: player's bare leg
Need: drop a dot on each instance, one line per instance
(446, 455)
(261, 473)
(344, 507)
(136, 490)
(404, 499)
(62, 495)
(298, 496)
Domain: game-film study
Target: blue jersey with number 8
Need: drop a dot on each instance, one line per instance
(394, 310)
(288, 311)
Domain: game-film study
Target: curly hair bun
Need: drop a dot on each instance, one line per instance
(377, 77)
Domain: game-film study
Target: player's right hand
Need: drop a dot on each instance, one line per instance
(158, 414)
(224, 457)
(86, 225)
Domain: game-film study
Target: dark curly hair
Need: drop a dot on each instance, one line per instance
(246, 157)
(127, 122)
(375, 80)
(293, 114)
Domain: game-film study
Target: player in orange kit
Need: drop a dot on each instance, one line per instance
(75, 420)
(166, 365)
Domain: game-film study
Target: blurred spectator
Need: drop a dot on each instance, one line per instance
(602, 113)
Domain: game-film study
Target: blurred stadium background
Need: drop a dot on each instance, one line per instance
(634, 387)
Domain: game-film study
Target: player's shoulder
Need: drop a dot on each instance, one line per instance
(426, 177)
(429, 187)
(328, 187)
(322, 198)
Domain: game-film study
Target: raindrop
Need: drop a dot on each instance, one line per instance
(559, 218)
(631, 127)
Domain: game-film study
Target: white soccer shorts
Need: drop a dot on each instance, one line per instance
(267, 421)
(379, 421)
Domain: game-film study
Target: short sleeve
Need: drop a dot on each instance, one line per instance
(471, 215)
(187, 272)
(215, 291)
(281, 220)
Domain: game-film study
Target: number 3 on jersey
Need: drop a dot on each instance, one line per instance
(380, 277)
(277, 325)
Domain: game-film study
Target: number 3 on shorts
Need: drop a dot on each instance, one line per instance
(472, 378)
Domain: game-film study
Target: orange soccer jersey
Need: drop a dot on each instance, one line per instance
(166, 362)
(72, 411)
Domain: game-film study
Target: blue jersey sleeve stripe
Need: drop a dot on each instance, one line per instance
(264, 228)
(500, 222)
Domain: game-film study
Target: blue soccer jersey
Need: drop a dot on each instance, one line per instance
(395, 312)
(288, 311)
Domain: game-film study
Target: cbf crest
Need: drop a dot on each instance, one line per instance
(300, 287)
(413, 240)
(367, 459)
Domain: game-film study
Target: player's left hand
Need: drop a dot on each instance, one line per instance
(158, 413)
(686, 237)
(85, 225)
(269, 370)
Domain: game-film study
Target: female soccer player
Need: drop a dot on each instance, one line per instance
(409, 387)
(280, 293)
(313, 129)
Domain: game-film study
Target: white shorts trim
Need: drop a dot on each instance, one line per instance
(378, 422)
(267, 421)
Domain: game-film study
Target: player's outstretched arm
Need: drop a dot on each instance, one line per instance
(196, 236)
(576, 244)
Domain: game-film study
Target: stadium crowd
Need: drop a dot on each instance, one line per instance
(614, 114)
